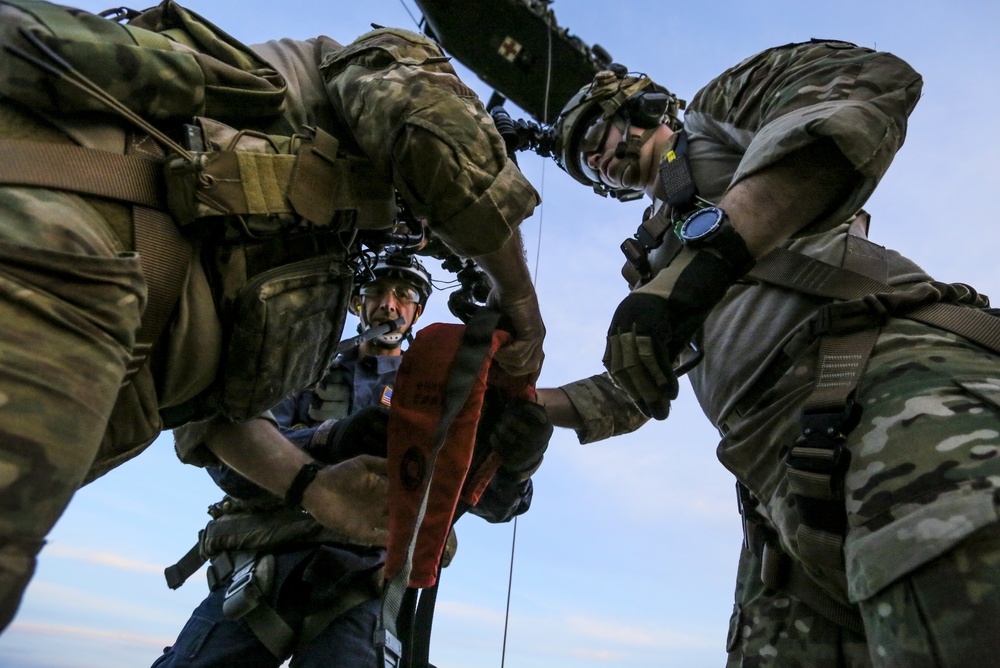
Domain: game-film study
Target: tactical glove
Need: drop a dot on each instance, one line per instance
(520, 438)
(655, 322)
(361, 433)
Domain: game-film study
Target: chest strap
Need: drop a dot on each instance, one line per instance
(133, 178)
(810, 276)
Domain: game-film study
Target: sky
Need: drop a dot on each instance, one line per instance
(628, 554)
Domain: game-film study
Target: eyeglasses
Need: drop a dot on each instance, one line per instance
(403, 294)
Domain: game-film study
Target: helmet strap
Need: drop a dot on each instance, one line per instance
(628, 151)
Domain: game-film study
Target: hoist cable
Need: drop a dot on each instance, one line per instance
(534, 280)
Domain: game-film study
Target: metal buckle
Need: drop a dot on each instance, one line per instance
(244, 594)
(389, 648)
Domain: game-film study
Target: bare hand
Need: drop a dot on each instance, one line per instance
(353, 498)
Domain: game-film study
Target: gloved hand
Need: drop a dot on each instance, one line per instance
(655, 322)
(520, 438)
(524, 354)
(361, 433)
(353, 498)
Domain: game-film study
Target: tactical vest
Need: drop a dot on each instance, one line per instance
(268, 215)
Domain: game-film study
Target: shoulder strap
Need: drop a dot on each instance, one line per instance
(164, 257)
(808, 275)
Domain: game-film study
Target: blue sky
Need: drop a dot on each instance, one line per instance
(628, 554)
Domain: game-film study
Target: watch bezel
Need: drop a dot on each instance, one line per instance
(688, 240)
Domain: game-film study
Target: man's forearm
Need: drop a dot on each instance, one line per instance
(772, 205)
(561, 411)
(514, 294)
(508, 269)
(258, 451)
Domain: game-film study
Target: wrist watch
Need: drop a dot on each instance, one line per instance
(710, 228)
(702, 226)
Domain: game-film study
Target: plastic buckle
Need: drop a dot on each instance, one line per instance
(820, 448)
(389, 648)
(219, 569)
(636, 257)
(744, 502)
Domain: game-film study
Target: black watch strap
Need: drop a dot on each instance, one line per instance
(306, 474)
(731, 246)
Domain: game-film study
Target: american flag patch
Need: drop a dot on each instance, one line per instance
(386, 396)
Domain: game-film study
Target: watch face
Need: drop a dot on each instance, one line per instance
(701, 223)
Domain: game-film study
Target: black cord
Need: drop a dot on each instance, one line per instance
(510, 580)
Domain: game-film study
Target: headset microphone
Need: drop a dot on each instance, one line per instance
(621, 150)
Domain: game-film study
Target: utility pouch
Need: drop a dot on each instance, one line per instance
(285, 324)
(264, 529)
(266, 184)
(168, 64)
(251, 583)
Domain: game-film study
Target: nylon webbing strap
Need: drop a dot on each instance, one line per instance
(164, 257)
(842, 361)
(270, 629)
(818, 460)
(185, 567)
(476, 344)
(127, 178)
(971, 323)
(810, 276)
(803, 587)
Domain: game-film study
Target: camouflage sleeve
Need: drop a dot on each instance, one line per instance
(189, 444)
(606, 410)
(189, 439)
(412, 116)
(782, 99)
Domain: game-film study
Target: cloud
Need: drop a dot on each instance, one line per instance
(633, 635)
(102, 558)
(73, 599)
(646, 482)
(581, 636)
(53, 630)
(470, 611)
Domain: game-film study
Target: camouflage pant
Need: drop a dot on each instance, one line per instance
(922, 551)
(941, 615)
(70, 303)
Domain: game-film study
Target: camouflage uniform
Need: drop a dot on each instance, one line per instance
(72, 292)
(920, 554)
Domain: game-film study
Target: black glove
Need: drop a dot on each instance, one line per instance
(362, 433)
(520, 438)
(654, 323)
